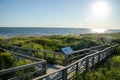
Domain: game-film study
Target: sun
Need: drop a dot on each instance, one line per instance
(100, 8)
(98, 30)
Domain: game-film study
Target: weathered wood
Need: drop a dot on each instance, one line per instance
(44, 68)
(77, 70)
(29, 51)
(87, 63)
(41, 71)
(49, 52)
(93, 59)
(45, 55)
(66, 60)
(64, 74)
(19, 67)
(86, 58)
(99, 58)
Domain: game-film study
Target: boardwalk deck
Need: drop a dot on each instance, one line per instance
(83, 63)
(52, 68)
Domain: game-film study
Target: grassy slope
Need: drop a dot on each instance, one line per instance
(56, 42)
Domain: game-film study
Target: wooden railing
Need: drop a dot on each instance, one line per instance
(69, 72)
(72, 57)
(38, 67)
(54, 57)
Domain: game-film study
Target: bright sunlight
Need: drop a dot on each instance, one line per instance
(100, 8)
(98, 30)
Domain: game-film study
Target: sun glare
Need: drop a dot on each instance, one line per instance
(100, 8)
(98, 30)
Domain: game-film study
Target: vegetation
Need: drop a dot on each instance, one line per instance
(55, 43)
(7, 61)
(110, 70)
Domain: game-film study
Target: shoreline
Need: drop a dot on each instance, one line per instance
(42, 35)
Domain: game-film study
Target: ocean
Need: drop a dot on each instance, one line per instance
(21, 31)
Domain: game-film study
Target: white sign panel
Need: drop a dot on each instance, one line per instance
(67, 50)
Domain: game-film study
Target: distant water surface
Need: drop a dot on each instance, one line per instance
(14, 31)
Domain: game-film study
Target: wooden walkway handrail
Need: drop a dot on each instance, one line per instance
(87, 49)
(37, 62)
(35, 53)
(28, 57)
(65, 58)
(76, 63)
(21, 67)
(81, 53)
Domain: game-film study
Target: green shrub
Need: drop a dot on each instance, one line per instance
(104, 73)
(115, 62)
(6, 60)
(20, 63)
(117, 50)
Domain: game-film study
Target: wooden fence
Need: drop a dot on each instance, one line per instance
(69, 72)
(37, 68)
(72, 57)
(54, 57)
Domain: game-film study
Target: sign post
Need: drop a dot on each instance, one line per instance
(66, 51)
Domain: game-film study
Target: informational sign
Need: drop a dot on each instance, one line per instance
(67, 50)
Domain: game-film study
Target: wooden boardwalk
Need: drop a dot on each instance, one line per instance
(75, 64)
(52, 68)
(39, 66)
(84, 64)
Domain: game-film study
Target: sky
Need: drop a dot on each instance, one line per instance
(59, 13)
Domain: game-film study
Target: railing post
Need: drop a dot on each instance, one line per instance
(99, 58)
(86, 67)
(44, 68)
(93, 60)
(106, 53)
(30, 53)
(109, 51)
(102, 55)
(64, 74)
(37, 55)
(66, 60)
(45, 55)
(77, 70)
(87, 64)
